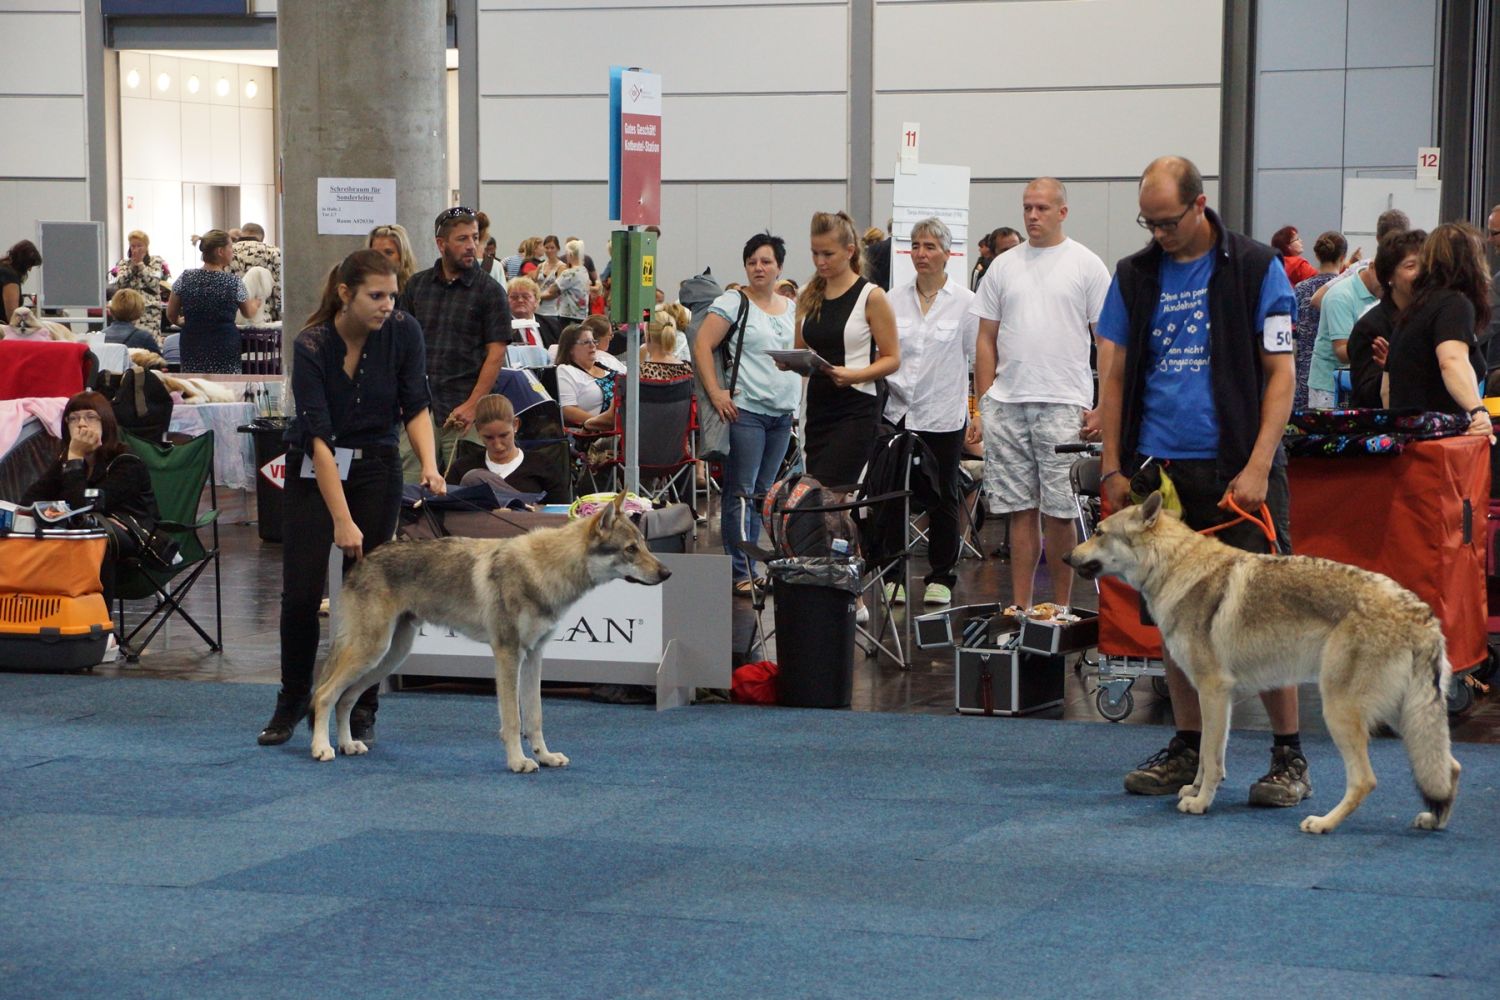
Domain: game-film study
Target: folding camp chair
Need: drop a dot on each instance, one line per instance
(178, 475)
(667, 443)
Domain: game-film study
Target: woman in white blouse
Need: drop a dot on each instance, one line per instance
(585, 387)
(929, 393)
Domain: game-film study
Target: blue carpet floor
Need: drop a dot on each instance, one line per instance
(148, 848)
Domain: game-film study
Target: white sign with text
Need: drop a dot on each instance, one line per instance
(619, 621)
(352, 206)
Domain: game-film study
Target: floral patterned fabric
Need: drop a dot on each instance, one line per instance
(1366, 432)
(147, 278)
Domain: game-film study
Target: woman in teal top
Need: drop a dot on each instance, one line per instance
(761, 410)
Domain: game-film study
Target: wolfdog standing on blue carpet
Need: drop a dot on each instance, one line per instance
(1234, 620)
(507, 592)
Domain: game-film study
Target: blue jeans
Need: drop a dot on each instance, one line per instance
(757, 444)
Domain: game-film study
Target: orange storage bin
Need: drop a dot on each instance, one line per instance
(60, 565)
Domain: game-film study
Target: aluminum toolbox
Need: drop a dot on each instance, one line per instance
(948, 627)
(1000, 681)
(1061, 637)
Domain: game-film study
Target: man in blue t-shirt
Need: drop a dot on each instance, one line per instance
(1199, 384)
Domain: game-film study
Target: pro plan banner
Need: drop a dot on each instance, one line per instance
(640, 148)
(618, 621)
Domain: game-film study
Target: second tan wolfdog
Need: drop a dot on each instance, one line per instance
(507, 592)
(1233, 620)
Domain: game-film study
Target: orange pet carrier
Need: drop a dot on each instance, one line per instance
(52, 612)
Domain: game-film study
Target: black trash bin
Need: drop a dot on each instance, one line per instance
(266, 434)
(815, 602)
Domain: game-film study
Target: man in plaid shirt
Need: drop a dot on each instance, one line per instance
(465, 321)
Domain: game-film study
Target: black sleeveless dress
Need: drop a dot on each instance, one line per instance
(841, 422)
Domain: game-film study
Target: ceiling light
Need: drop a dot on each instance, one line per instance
(251, 90)
(222, 87)
(133, 79)
(193, 84)
(164, 82)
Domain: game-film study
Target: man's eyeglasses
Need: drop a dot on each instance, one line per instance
(449, 215)
(1494, 233)
(1165, 225)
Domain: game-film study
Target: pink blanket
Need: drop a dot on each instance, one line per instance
(15, 412)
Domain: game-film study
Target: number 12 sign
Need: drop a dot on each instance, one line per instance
(1429, 166)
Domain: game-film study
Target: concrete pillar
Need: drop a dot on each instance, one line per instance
(363, 93)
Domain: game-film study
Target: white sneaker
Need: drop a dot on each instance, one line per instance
(895, 593)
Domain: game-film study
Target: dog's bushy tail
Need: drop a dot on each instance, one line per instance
(1424, 729)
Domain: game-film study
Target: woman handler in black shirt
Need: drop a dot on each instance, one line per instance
(359, 370)
(1435, 363)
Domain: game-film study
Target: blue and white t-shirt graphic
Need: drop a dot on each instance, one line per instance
(1179, 338)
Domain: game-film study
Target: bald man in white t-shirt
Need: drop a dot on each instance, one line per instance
(1036, 306)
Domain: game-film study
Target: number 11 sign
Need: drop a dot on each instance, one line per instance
(911, 135)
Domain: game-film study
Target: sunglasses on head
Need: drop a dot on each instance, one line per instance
(457, 212)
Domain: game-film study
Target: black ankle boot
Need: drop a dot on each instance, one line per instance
(289, 711)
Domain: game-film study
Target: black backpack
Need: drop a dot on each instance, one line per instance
(796, 524)
(141, 401)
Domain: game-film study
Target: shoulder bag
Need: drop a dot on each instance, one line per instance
(713, 430)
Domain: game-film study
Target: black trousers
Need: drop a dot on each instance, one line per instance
(943, 546)
(373, 493)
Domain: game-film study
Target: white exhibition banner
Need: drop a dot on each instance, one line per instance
(352, 206)
(933, 190)
(620, 621)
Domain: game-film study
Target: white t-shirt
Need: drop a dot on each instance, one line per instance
(505, 469)
(1044, 298)
(575, 387)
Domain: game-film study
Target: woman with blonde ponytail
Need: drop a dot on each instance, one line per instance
(359, 371)
(849, 322)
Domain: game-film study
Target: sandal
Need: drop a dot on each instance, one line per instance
(744, 588)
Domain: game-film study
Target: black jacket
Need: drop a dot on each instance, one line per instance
(124, 486)
(1234, 343)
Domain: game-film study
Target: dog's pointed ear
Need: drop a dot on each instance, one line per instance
(1151, 509)
(605, 519)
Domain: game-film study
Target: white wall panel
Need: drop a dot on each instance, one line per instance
(135, 74)
(539, 138)
(257, 139)
(255, 88)
(197, 151)
(727, 215)
(526, 5)
(165, 227)
(534, 138)
(166, 79)
(1046, 44)
(192, 70)
(677, 252)
(696, 50)
(44, 137)
(258, 204)
(223, 79)
(1109, 133)
(792, 208)
(516, 211)
(23, 202)
(151, 139)
(704, 138)
(43, 54)
(224, 144)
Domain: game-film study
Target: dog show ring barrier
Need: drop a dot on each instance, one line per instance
(675, 636)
